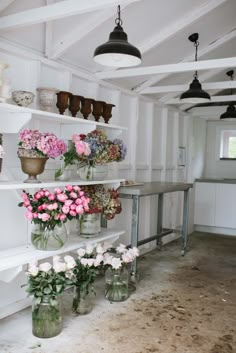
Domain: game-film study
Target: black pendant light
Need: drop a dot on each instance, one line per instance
(230, 111)
(195, 93)
(117, 51)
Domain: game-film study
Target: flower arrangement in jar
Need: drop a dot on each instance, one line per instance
(48, 211)
(46, 283)
(116, 262)
(92, 150)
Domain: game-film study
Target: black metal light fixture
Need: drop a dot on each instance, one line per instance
(230, 111)
(195, 93)
(117, 51)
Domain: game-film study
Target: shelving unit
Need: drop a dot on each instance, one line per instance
(25, 254)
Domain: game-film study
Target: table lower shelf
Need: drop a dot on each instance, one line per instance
(22, 255)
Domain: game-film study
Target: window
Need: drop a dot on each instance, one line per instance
(228, 144)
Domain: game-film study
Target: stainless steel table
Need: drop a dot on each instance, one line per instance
(155, 188)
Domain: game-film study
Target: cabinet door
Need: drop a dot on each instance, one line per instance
(225, 205)
(204, 211)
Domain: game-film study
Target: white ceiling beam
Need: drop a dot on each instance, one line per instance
(169, 68)
(5, 3)
(179, 25)
(180, 88)
(202, 51)
(48, 33)
(55, 11)
(208, 111)
(214, 99)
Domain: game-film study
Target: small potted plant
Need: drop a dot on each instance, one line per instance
(34, 149)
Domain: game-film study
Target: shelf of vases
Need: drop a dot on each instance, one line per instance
(14, 185)
(13, 118)
(22, 255)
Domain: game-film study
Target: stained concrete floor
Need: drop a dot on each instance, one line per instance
(182, 304)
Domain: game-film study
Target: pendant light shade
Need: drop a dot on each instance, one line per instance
(195, 93)
(231, 110)
(117, 51)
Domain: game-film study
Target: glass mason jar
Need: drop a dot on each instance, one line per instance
(45, 238)
(82, 300)
(93, 172)
(117, 284)
(90, 224)
(46, 317)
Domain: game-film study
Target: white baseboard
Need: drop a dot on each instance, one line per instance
(215, 230)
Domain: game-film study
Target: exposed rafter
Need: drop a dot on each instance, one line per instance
(203, 51)
(207, 111)
(180, 88)
(171, 68)
(229, 98)
(48, 34)
(179, 25)
(55, 11)
(5, 3)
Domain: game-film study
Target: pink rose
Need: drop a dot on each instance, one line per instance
(47, 193)
(65, 209)
(45, 217)
(73, 195)
(37, 196)
(68, 202)
(35, 215)
(72, 213)
(62, 197)
(40, 208)
(29, 215)
(24, 196)
(73, 206)
(69, 187)
(62, 217)
(80, 146)
(57, 190)
(26, 203)
(51, 197)
(78, 202)
(30, 208)
(76, 188)
(55, 206)
(79, 209)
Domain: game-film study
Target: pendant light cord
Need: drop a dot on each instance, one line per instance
(196, 44)
(118, 20)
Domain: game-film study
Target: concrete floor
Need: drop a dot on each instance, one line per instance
(182, 304)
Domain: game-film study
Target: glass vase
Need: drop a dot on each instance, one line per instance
(93, 172)
(90, 224)
(46, 317)
(63, 173)
(82, 300)
(46, 238)
(117, 284)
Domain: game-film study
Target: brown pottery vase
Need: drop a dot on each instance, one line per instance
(97, 109)
(86, 107)
(74, 106)
(106, 113)
(62, 101)
(33, 167)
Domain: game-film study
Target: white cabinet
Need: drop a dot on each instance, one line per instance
(204, 211)
(225, 211)
(18, 250)
(215, 205)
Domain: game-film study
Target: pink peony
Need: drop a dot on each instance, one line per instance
(29, 215)
(62, 197)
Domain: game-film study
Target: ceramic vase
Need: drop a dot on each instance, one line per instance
(46, 317)
(74, 106)
(23, 98)
(47, 97)
(32, 166)
(86, 107)
(97, 109)
(43, 237)
(62, 101)
(3, 66)
(106, 113)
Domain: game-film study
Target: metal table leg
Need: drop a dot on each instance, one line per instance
(134, 230)
(185, 222)
(159, 218)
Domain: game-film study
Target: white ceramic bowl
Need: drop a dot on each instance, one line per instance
(23, 98)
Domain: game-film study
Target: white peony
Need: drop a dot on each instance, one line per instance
(33, 270)
(90, 262)
(81, 252)
(45, 267)
(121, 249)
(84, 262)
(107, 259)
(89, 249)
(100, 249)
(70, 262)
(59, 267)
(116, 263)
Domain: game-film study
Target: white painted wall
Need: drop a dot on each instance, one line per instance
(214, 168)
(153, 136)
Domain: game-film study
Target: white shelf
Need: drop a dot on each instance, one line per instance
(13, 185)
(22, 255)
(16, 117)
